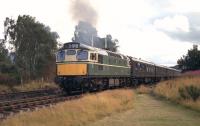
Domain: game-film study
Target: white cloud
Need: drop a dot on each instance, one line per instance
(173, 24)
(183, 6)
(152, 45)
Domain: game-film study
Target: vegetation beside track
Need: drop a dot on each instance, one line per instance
(152, 111)
(144, 89)
(184, 90)
(34, 85)
(76, 112)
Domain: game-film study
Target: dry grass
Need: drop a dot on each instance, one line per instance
(26, 87)
(76, 112)
(142, 89)
(170, 90)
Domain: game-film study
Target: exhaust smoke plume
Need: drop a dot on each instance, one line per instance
(82, 10)
(85, 32)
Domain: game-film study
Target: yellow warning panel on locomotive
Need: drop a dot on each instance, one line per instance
(71, 69)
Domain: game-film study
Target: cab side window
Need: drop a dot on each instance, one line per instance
(93, 56)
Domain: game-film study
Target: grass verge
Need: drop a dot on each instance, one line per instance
(183, 90)
(143, 89)
(76, 112)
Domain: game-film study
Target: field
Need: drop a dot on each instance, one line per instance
(79, 112)
(184, 90)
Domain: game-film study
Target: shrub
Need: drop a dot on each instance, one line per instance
(184, 90)
(190, 92)
(183, 93)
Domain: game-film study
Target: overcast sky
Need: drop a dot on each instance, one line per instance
(160, 31)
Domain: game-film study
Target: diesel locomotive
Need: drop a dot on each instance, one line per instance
(86, 68)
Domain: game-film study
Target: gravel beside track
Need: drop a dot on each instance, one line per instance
(26, 94)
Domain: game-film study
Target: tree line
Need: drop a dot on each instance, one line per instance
(190, 61)
(32, 52)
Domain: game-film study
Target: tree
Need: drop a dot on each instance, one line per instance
(34, 46)
(3, 51)
(8, 72)
(191, 61)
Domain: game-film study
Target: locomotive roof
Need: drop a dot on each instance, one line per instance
(98, 50)
(151, 63)
(142, 61)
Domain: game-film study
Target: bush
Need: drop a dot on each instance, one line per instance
(9, 79)
(9, 74)
(183, 93)
(190, 92)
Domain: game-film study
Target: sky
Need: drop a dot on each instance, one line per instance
(160, 31)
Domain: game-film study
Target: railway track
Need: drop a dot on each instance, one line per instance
(13, 103)
(26, 94)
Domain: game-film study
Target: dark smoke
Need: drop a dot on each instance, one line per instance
(86, 34)
(82, 10)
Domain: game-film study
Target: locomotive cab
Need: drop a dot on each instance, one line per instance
(76, 55)
(72, 60)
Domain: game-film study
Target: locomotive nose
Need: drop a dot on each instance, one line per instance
(71, 69)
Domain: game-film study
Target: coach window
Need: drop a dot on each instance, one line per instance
(138, 65)
(93, 56)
